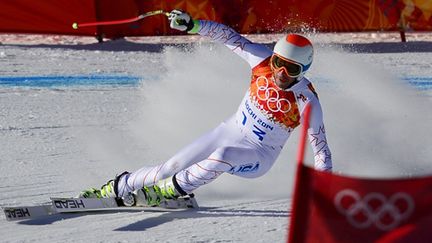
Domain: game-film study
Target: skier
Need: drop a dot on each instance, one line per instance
(248, 143)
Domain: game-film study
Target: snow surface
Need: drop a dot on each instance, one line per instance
(59, 140)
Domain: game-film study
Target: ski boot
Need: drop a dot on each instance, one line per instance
(160, 194)
(165, 193)
(109, 190)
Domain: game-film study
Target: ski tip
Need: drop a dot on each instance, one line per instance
(27, 212)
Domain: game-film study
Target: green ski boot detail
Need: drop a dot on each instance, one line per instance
(90, 193)
(165, 189)
(108, 190)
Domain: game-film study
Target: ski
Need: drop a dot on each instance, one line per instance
(59, 205)
(69, 205)
(28, 212)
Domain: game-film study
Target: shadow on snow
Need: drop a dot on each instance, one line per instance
(210, 212)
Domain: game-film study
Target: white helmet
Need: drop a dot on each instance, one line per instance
(296, 48)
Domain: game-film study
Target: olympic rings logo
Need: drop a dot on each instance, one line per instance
(271, 96)
(374, 209)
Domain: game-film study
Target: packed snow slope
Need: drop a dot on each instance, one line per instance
(74, 113)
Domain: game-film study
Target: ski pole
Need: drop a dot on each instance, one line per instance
(122, 21)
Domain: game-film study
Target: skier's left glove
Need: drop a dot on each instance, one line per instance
(180, 20)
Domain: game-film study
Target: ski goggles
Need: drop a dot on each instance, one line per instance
(291, 68)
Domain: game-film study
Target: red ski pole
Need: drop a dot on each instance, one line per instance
(121, 21)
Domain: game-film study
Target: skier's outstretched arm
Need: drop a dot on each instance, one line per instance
(253, 53)
(317, 138)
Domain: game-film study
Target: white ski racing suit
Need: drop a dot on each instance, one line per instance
(248, 143)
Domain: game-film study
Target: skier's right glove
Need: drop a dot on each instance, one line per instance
(180, 20)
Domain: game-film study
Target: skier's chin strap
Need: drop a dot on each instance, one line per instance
(296, 80)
